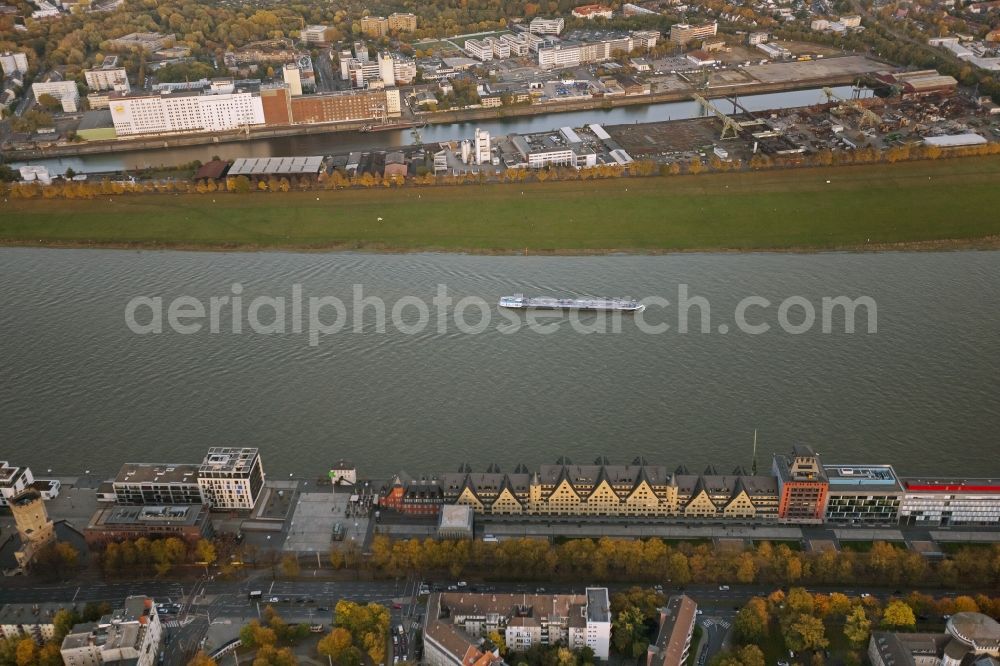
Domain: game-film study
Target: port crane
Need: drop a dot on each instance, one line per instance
(728, 124)
(868, 117)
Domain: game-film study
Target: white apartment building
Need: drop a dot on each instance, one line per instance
(346, 58)
(13, 480)
(30, 620)
(232, 478)
(13, 63)
(544, 26)
(186, 111)
(361, 73)
(64, 91)
(131, 634)
(570, 56)
(114, 78)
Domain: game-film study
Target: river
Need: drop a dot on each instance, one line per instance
(81, 391)
(343, 142)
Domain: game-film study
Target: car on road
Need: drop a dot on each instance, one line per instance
(397, 606)
(453, 588)
(273, 600)
(865, 595)
(723, 588)
(462, 583)
(323, 609)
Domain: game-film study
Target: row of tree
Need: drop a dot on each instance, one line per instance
(655, 561)
(155, 556)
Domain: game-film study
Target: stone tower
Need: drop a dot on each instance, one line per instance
(33, 524)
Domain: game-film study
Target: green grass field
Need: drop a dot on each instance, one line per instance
(869, 206)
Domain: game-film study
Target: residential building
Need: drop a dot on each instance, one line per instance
(316, 34)
(13, 63)
(131, 634)
(412, 496)
(682, 33)
(231, 478)
(119, 522)
(758, 37)
(969, 638)
(30, 620)
(862, 495)
(851, 21)
(546, 26)
(673, 639)
(64, 91)
(157, 483)
(33, 525)
(402, 22)
(457, 623)
(375, 26)
(600, 489)
(13, 480)
(343, 473)
(802, 486)
(146, 41)
(483, 154)
(109, 76)
(947, 502)
(713, 44)
(592, 12)
(220, 108)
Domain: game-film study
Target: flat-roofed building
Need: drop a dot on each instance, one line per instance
(646, 39)
(946, 502)
(109, 76)
(189, 522)
(455, 522)
(316, 34)
(184, 111)
(375, 26)
(64, 91)
(802, 486)
(546, 26)
(157, 483)
(146, 41)
(457, 623)
(862, 495)
(682, 33)
(402, 22)
(130, 635)
(231, 478)
(13, 63)
(348, 105)
(30, 620)
(13, 480)
(673, 638)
